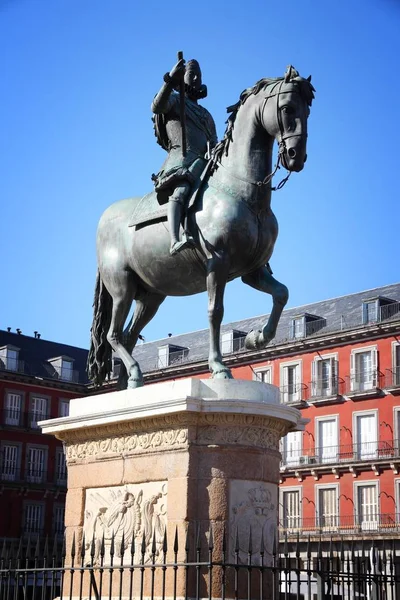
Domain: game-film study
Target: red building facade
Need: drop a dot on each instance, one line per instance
(37, 380)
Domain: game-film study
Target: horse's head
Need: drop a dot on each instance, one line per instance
(284, 116)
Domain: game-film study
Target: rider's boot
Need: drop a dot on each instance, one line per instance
(175, 209)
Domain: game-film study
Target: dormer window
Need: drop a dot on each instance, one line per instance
(9, 358)
(171, 355)
(63, 367)
(305, 325)
(232, 341)
(379, 309)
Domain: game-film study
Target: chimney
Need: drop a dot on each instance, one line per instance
(8, 329)
(19, 331)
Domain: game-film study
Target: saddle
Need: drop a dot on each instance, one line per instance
(154, 206)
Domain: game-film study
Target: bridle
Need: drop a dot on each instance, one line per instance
(281, 147)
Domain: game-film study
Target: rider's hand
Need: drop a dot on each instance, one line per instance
(177, 72)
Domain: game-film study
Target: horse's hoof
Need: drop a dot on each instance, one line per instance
(222, 374)
(253, 340)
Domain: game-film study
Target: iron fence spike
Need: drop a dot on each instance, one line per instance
(73, 548)
(187, 543)
(122, 548)
(298, 545)
(83, 545)
(250, 545)
(28, 548)
(112, 546)
(176, 545)
(285, 545)
(165, 542)
(224, 540)
(93, 548)
(384, 557)
(198, 538)
(46, 548)
(237, 546)
(210, 538)
(103, 546)
(341, 549)
(308, 547)
(154, 545)
(54, 551)
(37, 548)
(331, 551)
(132, 545)
(64, 548)
(19, 550)
(262, 544)
(274, 545)
(143, 545)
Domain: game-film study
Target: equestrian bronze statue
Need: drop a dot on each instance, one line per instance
(228, 219)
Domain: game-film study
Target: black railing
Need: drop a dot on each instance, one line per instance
(293, 393)
(371, 523)
(326, 387)
(229, 568)
(346, 453)
(10, 474)
(364, 381)
(392, 377)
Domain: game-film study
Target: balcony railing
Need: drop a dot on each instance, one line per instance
(370, 523)
(293, 393)
(9, 473)
(364, 382)
(326, 387)
(12, 364)
(18, 418)
(348, 453)
(392, 377)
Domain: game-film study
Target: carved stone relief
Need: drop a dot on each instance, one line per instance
(252, 507)
(121, 513)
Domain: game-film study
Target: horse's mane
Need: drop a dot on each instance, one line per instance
(306, 90)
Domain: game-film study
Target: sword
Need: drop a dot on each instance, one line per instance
(182, 108)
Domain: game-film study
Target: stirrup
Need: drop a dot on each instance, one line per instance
(178, 246)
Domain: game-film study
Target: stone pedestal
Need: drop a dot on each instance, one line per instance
(175, 456)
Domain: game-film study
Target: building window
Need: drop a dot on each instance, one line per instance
(33, 522)
(290, 509)
(9, 358)
(36, 464)
(62, 367)
(292, 445)
(367, 508)
(171, 355)
(327, 431)
(264, 374)
(64, 408)
(324, 377)
(327, 507)
(39, 407)
(61, 467)
(370, 311)
(232, 341)
(363, 370)
(297, 330)
(58, 520)
(13, 409)
(9, 462)
(396, 364)
(291, 387)
(366, 428)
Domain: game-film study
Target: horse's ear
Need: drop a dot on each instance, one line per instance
(290, 74)
(309, 79)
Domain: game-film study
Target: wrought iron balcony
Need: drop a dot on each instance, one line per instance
(9, 473)
(294, 393)
(328, 387)
(392, 378)
(371, 523)
(364, 383)
(348, 453)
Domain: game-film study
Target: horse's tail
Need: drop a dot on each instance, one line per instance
(99, 364)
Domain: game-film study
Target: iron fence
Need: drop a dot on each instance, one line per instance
(199, 567)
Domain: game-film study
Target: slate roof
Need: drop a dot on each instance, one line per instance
(35, 353)
(340, 313)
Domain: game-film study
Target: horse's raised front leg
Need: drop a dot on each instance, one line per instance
(262, 280)
(217, 273)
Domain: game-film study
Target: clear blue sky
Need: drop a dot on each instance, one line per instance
(77, 80)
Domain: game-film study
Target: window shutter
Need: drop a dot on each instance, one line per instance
(333, 377)
(314, 378)
(374, 366)
(352, 371)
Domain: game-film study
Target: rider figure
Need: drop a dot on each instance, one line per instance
(179, 172)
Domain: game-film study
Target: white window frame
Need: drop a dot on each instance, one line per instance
(354, 386)
(58, 471)
(356, 485)
(9, 420)
(41, 475)
(299, 380)
(61, 404)
(8, 476)
(282, 491)
(259, 371)
(334, 376)
(33, 422)
(327, 456)
(370, 451)
(42, 506)
(302, 321)
(317, 489)
(292, 461)
(395, 368)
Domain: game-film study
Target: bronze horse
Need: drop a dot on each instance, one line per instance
(231, 220)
